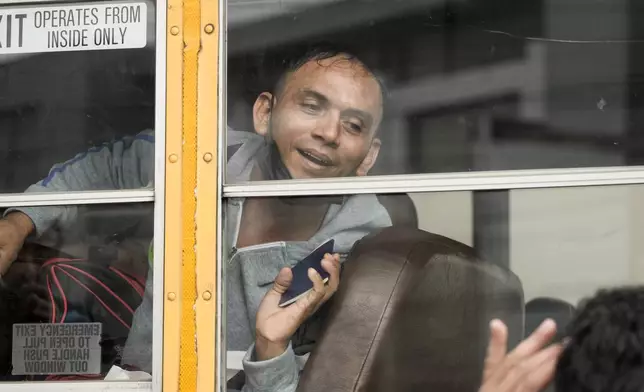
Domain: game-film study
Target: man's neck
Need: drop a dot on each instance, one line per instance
(293, 202)
(268, 219)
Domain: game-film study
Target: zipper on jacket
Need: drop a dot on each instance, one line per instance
(235, 251)
(237, 224)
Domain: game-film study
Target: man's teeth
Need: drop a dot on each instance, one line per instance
(316, 159)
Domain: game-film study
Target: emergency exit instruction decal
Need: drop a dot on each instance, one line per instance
(72, 348)
(59, 28)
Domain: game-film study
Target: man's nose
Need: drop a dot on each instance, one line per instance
(329, 130)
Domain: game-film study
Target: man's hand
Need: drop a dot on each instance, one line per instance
(276, 325)
(528, 368)
(14, 229)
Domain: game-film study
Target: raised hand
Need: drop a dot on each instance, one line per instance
(276, 325)
(528, 368)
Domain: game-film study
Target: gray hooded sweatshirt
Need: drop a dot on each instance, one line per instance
(249, 272)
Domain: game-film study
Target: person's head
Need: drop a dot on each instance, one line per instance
(323, 114)
(605, 352)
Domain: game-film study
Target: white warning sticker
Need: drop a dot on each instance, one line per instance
(40, 349)
(59, 28)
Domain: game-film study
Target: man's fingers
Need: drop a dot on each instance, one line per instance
(532, 373)
(281, 284)
(528, 368)
(543, 374)
(331, 264)
(309, 303)
(497, 347)
(283, 281)
(303, 307)
(315, 296)
(513, 368)
(540, 337)
(5, 261)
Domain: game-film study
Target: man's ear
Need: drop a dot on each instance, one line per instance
(262, 110)
(370, 159)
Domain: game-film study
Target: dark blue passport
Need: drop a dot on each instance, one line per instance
(301, 283)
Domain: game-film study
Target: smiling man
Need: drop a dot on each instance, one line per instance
(323, 117)
(320, 120)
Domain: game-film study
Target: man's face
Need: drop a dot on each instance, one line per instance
(324, 119)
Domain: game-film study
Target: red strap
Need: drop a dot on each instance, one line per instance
(97, 298)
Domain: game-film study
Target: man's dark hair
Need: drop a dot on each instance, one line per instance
(606, 348)
(322, 51)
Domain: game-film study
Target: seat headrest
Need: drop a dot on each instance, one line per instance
(401, 209)
(541, 308)
(412, 314)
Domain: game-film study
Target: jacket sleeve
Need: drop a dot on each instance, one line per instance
(126, 163)
(138, 348)
(280, 374)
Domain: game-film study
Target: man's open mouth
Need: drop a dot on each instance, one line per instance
(317, 159)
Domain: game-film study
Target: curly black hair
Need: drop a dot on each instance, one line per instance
(605, 352)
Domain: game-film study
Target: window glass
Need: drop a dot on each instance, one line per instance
(77, 89)
(76, 300)
(469, 86)
(422, 276)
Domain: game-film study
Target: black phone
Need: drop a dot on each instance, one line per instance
(301, 283)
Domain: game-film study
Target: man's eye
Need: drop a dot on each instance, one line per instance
(354, 127)
(311, 107)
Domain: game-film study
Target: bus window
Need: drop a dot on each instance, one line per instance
(469, 86)
(423, 275)
(75, 78)
(72, 296)
(77, 111)
(484, 135)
